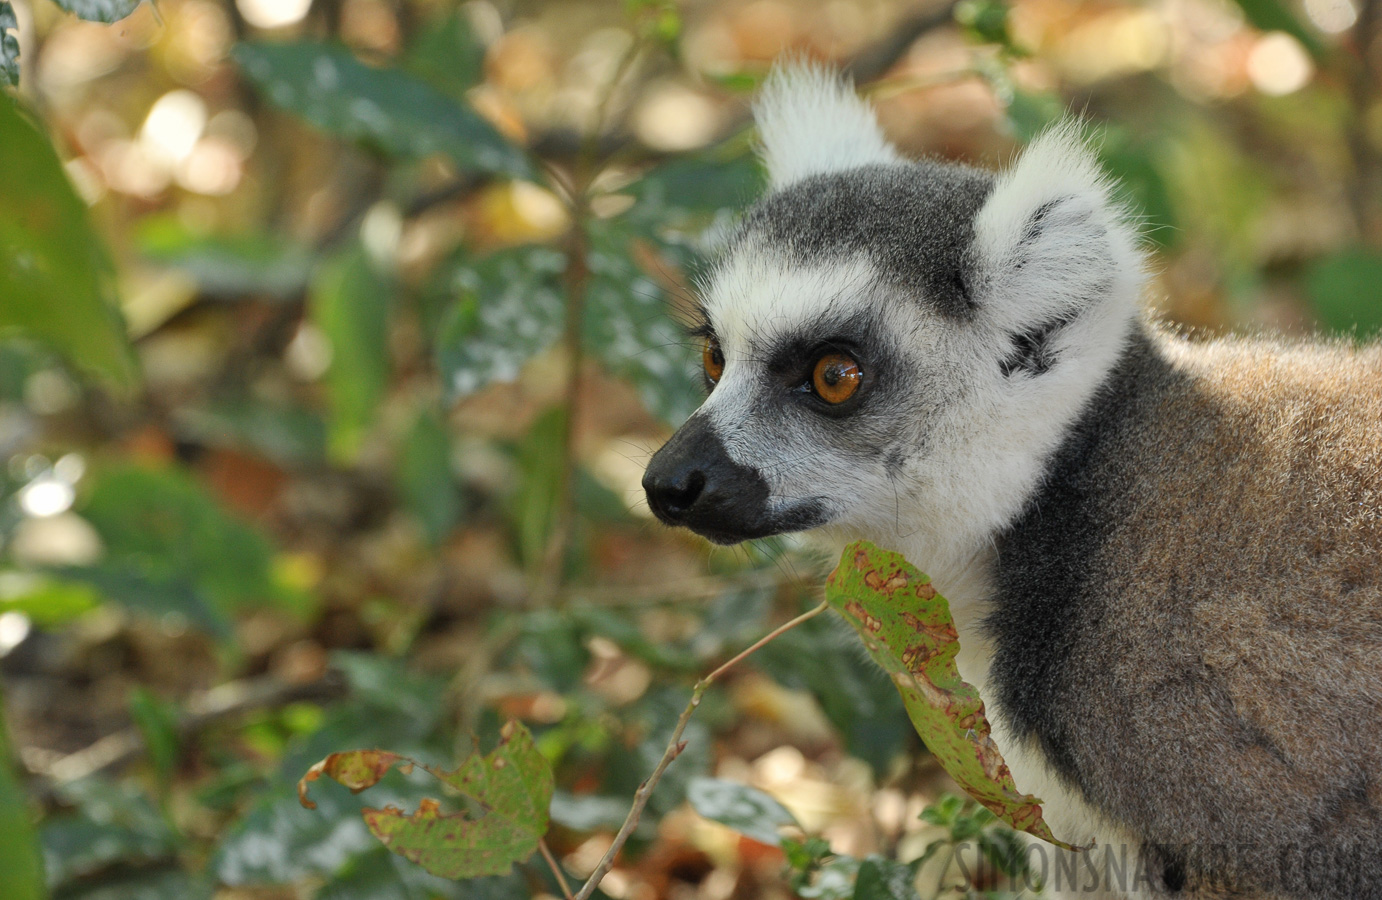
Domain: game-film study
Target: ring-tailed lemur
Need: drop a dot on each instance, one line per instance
(1162, 555)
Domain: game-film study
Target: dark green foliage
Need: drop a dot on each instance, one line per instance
(56, 279)
(385, 109)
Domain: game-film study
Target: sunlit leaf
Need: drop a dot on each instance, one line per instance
(745, 809)
(9, 46)
(99, 10)
(906, 627)
(351, 302)
(1343, 291)
(47, 601)
(384, 108)
(513, 785)
(507, 307)
(56, 282)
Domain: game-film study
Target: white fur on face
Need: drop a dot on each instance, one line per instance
(810, 122)
(1048, 246)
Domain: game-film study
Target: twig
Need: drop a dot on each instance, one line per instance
(675, 746)
(555, 867)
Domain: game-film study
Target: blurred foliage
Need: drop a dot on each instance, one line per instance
(334, 335)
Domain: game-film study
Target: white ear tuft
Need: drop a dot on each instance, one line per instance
(1050, 239)
(810, 121)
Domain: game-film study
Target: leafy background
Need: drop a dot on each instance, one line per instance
(336, 334)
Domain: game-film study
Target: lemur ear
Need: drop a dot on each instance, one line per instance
(1050, 240)
(811, 121)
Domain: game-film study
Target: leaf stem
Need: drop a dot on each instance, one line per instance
(675, 745)
(555, 867)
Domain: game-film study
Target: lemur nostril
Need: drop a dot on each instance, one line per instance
(679, 497)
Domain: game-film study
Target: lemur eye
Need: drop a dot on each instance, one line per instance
(836, 377)
(713, 360)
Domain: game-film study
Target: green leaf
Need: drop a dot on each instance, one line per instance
(19, 855)
(386, 109)
(381, 875)
(1273, 15)
(906, 627)
(629, 327)
(425, 480)
(513, 785)
(164, 533)
(553, 647)
(350, 303)
(746, 809)
(277, 842)
(48, 602)
(56, 282)
(9, 46)
(447, 54)
(884, 879)
(288, 435)
(985, 20)
(509, 307)
(99, 10)
(1343, 291)
(835, 880)
(230, 266)
(113, 823)
(533, 506)
(158, 723)
(727, 177)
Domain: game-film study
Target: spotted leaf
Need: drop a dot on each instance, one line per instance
(907, 629)
(512, 785)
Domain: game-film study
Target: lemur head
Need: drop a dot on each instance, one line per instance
(893, 347)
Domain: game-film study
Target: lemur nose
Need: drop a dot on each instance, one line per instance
(672, 496)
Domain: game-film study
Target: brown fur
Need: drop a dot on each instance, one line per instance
(1226, 688)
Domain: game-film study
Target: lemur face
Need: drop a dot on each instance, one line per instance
(830, 347)
(885, 339)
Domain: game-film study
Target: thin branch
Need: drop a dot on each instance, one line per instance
(675, 746)
(556, 868)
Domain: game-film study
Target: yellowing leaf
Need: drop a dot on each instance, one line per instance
(907, 629)
(513, 785)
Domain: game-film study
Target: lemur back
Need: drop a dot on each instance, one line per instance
(1163, 556)
(1188, 615)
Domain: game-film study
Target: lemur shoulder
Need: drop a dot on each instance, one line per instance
(1164, 556)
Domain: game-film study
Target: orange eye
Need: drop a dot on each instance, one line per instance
(836, 378)
(713, 360)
